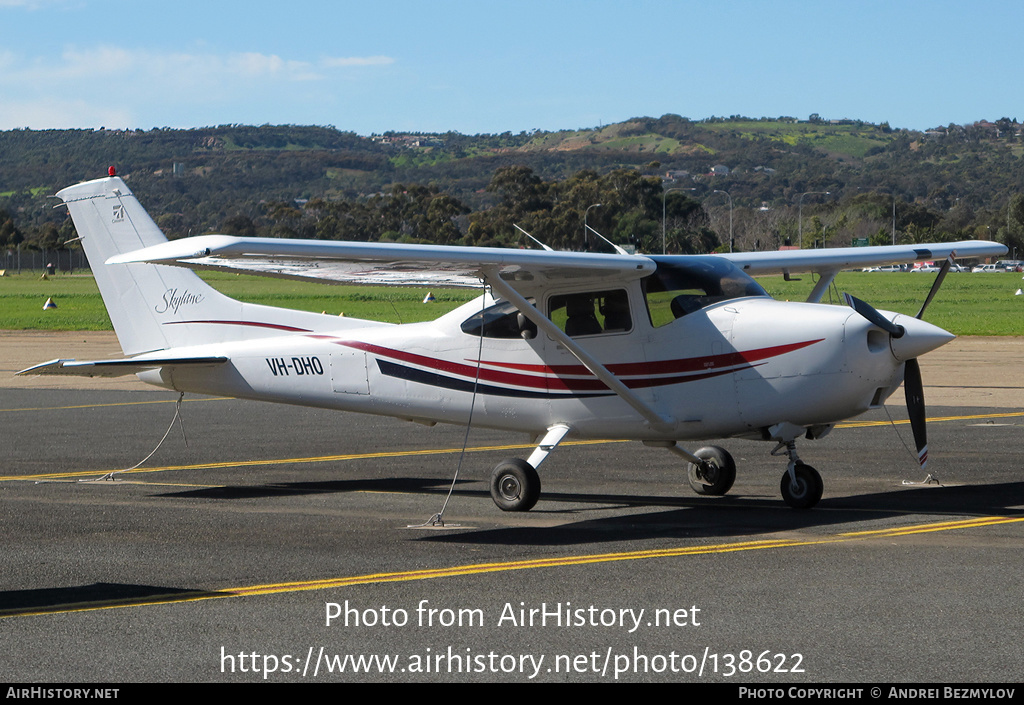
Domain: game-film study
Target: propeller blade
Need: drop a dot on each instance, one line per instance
(873, 316)
(914, 389)
(936, 284)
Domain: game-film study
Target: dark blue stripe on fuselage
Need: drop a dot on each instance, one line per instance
(433, 379)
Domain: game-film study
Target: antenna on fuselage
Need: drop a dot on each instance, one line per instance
(618, 250)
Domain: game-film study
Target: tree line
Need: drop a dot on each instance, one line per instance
(790, 182)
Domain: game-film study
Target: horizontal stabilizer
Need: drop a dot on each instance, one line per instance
(115, 368)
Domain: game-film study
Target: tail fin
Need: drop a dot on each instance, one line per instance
(153, 307)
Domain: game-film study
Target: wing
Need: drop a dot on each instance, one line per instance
(386, 263)
(525, 270)
(827, 263)
(838, 258)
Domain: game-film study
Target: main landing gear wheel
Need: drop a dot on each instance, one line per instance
(718, 479)
(515, 485)
(808, 487)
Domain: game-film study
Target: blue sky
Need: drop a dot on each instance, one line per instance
(497, 65)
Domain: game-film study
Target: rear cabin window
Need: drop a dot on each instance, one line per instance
(591, 313)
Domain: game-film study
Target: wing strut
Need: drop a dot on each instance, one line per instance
(825, 279)
(657, 421)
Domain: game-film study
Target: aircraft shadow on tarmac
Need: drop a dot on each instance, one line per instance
(739, 516)
(390, 484)
(688, 517)
(94, 595)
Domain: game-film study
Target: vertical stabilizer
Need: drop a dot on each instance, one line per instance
(154, 307)
(141, 300)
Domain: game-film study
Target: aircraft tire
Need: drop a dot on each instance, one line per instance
(515, 485)
(808, 490)
(723, 476)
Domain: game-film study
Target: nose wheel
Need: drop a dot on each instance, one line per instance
(802, 487)
(801, 484)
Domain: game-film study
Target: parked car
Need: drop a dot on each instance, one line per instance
(988, 268)
(931, 267)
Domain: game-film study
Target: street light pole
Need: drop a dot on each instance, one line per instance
(730, 215)
(585, 213)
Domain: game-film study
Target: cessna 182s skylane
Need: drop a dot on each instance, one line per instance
(658, 349)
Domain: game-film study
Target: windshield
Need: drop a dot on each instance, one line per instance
(684, 284)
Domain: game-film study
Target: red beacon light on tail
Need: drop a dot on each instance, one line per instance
(111, 171)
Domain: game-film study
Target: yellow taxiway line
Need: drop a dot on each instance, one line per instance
(435, 451)
(290, 461)
(483, 568)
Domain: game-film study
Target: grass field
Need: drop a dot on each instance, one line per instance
(79, 306)
(849, 140)
(967, 304)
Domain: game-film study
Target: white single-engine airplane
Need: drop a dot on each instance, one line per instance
(658, 349)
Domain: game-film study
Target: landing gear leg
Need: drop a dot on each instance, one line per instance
(515, 484)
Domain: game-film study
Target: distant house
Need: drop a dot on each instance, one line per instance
(407, 140)
(676, 175)
(720, 170)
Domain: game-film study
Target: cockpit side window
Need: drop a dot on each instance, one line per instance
(591, 312)
(687, 284)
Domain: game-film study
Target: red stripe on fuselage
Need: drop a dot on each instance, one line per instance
(545, 377)
(661, 367)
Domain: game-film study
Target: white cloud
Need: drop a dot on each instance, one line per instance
(29, 4)
(347, 61)
(255, 65)
(58, 91)
(76, 63)
(56, 113)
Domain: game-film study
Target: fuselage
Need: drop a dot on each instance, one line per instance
(729, 369)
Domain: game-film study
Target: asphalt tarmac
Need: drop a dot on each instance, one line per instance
(279, 545)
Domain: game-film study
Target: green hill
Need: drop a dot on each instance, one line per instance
(292, 180)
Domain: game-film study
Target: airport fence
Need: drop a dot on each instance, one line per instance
(66, 261)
